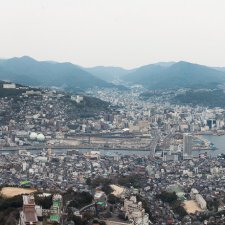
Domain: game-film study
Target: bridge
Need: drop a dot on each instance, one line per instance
(87, 207)
(153, 144)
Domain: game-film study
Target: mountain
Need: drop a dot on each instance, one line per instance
(165, 64)
(208, 98)
(108, 74)
(28, 71)
(178, 75)
(70, 77)
(220, 68)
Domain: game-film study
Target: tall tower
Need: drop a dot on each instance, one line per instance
(187, 142)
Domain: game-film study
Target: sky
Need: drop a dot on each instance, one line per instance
(127, 33)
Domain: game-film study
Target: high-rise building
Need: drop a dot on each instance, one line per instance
(211, 123)
(135, 211)
(187, 142)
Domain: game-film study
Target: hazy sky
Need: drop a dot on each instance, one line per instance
(126, 33)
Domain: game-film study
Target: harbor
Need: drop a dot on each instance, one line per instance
(201, 143)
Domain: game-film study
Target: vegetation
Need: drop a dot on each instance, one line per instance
(89, 107)
(147, 95)
(214, 98)
(10, 207)
(168, 196)
(177, 75)
(171, 198)
(9, 210)
(103, 184)
(112, 199)
(11, 92)
(131, 180)
(4, 92)
(84, 220)
(213, 205)
(28, 71)
(178, 209)
(76, 219)
(45, 202)
(14, 202)
(77, 199)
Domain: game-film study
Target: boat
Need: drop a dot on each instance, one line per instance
(213, 147)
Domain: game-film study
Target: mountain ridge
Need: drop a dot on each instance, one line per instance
(179, 75)
(68, 76)
(28, 71)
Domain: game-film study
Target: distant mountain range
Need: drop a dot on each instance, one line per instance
(67, 76)
(176, 75)
(27, 71)
(220, 68)
(165, 75)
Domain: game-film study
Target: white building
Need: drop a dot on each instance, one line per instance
(198, 198)
(24, 165)
(214, 170)
(77, 98)
(135, 212)
(9, 86)
(193, 193)
(201, 201)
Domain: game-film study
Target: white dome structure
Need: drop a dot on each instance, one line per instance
(33, 136)
(40, 137)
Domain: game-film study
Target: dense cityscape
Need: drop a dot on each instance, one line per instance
(112, 112)
(136, 161)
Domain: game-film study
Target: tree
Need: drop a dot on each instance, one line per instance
(77, 220)
(180, 211)
(168, 196)
(45, 202)
(88, 181)
(78, 199)
(131, 180)
(112, 199)
(103, 183)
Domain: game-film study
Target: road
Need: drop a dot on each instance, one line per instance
(167, 138)
(154, 142)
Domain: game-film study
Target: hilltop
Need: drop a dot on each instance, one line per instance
(19, 97)
(74, 78)
(177, 75)
(67, 76)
